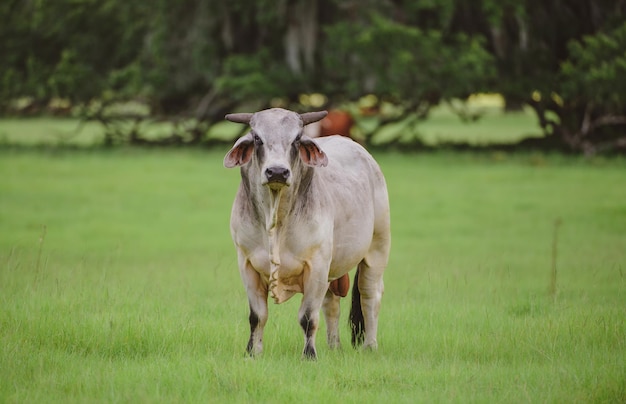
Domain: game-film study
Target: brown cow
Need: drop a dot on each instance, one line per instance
(337, 122)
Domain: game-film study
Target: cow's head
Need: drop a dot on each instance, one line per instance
(276, 144)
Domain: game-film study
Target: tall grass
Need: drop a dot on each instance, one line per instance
(131, 293)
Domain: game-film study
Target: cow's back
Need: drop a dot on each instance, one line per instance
(351, 169)
(358, 198)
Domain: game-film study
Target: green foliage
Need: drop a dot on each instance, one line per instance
(200, 59)
(254, 77)
(66, 48)
(179, 57)
(565, 59)
(71, 75)
(128, 82)
(596, 68)
(403, 63)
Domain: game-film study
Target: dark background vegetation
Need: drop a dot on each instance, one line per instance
(189, 62)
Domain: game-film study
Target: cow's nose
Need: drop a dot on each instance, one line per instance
(277, 174)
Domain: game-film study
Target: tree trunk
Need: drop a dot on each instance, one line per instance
(301, 36)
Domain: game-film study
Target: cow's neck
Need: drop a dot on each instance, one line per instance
(274, 209)
(281, 204)
(278, 204)
(273, 206)
(272, 221)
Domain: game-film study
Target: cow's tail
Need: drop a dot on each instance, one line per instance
(357, 323)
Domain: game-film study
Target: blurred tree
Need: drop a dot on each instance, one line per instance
(386, 52)
(563, 58)
(194, 60)
(65, 48)
(591, 107)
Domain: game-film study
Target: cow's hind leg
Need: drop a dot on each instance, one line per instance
(370, 284)
(369, 281)
(331, 310)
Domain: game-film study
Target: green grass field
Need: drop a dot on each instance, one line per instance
(118, 283)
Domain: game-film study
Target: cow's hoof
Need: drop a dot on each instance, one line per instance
(309, 354)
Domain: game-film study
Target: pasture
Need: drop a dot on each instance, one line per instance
(118, 283)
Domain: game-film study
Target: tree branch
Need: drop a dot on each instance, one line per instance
(203, 106)
(608, 120)
(586, 124)
(546, 123)
(591, 149)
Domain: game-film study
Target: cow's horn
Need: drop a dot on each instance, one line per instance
(310, 117)
(243, 117)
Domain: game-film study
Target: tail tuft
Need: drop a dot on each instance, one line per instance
(357, 323)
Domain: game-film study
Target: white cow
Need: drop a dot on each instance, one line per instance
(306, 212)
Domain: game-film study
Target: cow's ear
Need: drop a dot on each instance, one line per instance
(311, 154)
(241, 153)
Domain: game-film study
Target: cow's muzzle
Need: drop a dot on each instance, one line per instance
(277, 175)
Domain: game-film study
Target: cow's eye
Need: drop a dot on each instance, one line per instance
(257, 139)
(298, 138)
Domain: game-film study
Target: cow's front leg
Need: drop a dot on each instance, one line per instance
(257, 299)
(315, 288)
